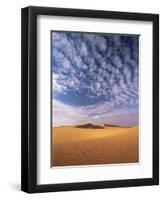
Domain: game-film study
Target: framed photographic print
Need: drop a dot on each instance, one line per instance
(90, 99)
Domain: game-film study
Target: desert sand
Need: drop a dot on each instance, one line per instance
(94, 144)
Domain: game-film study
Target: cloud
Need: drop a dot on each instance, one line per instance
(69, 115)
(66, 114)
(93, 75)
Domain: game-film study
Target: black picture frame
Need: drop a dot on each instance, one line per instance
(29, 99)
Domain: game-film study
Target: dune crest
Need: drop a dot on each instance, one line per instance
(89, 125)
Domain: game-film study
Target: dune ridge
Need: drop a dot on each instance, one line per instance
(89, 125)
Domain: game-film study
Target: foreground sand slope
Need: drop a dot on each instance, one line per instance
(85, 146)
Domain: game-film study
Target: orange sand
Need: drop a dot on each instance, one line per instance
(86, 146)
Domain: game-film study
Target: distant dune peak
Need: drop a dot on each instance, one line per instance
(95, 126)
(89, 125)
(110, 125)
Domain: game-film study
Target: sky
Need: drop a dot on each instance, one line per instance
(95, 79)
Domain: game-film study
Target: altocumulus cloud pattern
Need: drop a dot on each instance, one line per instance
(95, 78)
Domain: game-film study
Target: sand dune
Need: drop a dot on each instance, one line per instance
(93, 144)
(89, 125)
